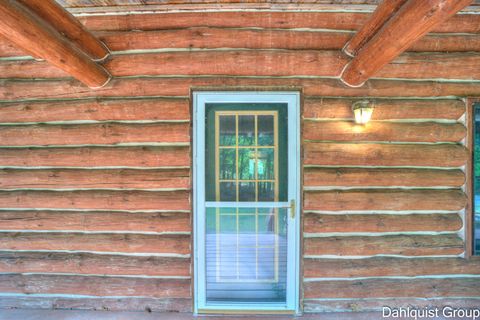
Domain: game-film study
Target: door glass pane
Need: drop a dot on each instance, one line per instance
(246, 191)
(266, 191)
(266, 163)
(246, 130)
(246, 245)
(227, 130)
(265, 130)
(246, 253)
(246, 163)
(227, 161)
(228, 191)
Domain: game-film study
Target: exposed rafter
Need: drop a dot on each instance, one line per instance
(36, 36)
(384, 11)
(65, 23)
(412, 21)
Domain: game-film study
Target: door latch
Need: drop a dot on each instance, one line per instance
(293, 208)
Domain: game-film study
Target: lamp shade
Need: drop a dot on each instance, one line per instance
(363, 111)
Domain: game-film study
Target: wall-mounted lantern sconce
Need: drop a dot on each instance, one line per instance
(363, 111)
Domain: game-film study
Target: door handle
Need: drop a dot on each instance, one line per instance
(293, 208)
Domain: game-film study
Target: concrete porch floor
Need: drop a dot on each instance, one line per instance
(16, 314)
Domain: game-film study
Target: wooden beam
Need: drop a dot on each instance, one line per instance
(64, 22)
(385, 10)
(413, 20)
(31, 33)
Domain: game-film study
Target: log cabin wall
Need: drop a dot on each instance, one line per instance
(95, 185)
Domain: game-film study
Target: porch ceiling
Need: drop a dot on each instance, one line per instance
(89, 3)
(141, 5)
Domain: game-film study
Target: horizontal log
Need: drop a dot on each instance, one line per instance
(95, 221)
(96, 200)
(318, 223)
(463, 23)
(180, 86)
(390, 288)
(327, 108)
(383, 131)
(376, 305)
(214, 38)
(87, 263)
(261, 63)
(446, 43)
(96, 110)
(407, 245)
(31, 69)
(283, 63)
(99, 242)
(432, 65)
(384, 155)
(386, 199)
(94, 304)
(254, 63)
(382, 177)
(93, 134)
(95, 285)
(94, 179)
(321, 20)
(96, 157)
(388, 266)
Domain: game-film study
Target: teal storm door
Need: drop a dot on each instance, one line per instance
(246, 200)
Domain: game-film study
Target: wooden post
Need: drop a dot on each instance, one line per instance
(413, 20)
(469, 178)
(385, 10)
(65, 23)
(39, 38)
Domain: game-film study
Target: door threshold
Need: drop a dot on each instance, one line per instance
(241, 312)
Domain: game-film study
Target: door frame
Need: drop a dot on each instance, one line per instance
(200, 98)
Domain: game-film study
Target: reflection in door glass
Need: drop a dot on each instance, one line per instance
(246, 155)
(246, 250)
(265, 130)
(476, 180)
(246, 130)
